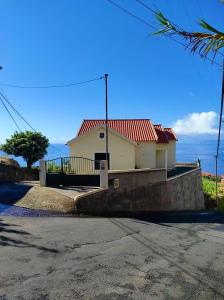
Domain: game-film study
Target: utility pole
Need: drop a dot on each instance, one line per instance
(220, 126)
(106, 122)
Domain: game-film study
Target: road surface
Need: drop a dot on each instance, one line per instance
(168, 256)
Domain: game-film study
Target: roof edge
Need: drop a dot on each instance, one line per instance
(78, 137)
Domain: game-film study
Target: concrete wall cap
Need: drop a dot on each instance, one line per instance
(77, 198)
(183, 174)
(135, 170)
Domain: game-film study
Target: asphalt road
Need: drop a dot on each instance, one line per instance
(170, 256)
(13, 210)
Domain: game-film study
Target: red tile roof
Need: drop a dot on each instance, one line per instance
(162, 137)
(170, 134)
(138, 130)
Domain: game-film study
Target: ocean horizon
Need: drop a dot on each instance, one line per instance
(186, 151)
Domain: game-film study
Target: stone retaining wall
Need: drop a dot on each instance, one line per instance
(15, 174)
(145, 190)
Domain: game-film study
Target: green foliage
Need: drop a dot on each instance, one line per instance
(201, 42)
(220, 204)
(209, 190)
(53, 167)
(32, 146)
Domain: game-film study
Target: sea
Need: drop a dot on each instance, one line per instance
(186, 151)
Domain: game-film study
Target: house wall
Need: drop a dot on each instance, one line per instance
(161, 158)
(171, 154)
(122, 153)
(146, 155)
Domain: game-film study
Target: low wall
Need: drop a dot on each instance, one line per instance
(15, 174)
(145, 190)
(132, 179)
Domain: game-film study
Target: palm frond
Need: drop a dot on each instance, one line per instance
(201, 42)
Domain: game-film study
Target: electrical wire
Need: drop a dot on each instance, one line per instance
(154, 28)
(15, 110)
(177, 26)
(131, 14)
(50, 86)
(6, 108)
(143, 21)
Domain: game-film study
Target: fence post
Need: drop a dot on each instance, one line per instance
(62, 169)
(42, 172)
(104, 174)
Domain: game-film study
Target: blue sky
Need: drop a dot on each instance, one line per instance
(55, 42)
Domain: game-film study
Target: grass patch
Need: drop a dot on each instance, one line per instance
(209, 190)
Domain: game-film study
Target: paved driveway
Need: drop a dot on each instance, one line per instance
(177, 256)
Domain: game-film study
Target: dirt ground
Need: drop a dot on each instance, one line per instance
(30, 195)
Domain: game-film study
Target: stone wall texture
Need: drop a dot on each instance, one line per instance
(15, 174)
(145, 191)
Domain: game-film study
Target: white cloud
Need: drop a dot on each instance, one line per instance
(197, 123)
(58, 140)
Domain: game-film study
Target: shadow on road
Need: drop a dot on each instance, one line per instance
(11, 193)
(18, 241)
(164, 253)
(179, 217)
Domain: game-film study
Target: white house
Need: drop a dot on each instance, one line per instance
(133, 143)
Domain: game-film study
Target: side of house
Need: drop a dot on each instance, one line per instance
(133, 144)
(92, 145)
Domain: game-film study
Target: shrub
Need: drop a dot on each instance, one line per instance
(209, 190)
(53, 168)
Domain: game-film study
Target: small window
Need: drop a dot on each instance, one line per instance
(101, 135)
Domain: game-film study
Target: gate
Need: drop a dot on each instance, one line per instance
(72, 171)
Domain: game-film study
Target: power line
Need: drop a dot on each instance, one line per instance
(154, 11)
(156, 29)
(131, 14)
(15, 110)
(143, 21)
(6, 108)
(179, 27)
(50, 86)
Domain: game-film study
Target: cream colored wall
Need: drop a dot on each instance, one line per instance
(146, 155)
(171, 153)
(122, 153)
(161, 158)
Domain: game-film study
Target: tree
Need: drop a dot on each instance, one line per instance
(202, 42)
(32, 146)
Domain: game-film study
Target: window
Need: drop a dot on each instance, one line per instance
(99, 157)
(101, 135)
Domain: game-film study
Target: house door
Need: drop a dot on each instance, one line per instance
(99, 157)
